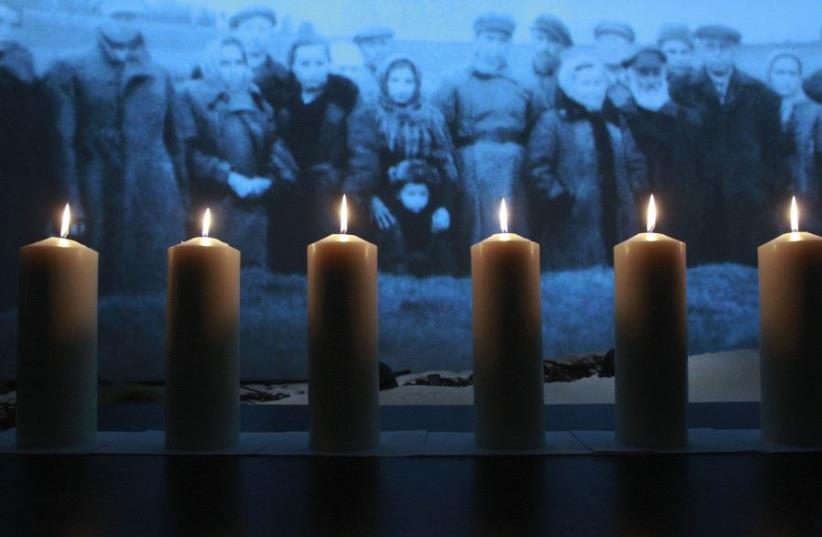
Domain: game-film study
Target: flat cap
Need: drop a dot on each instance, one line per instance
(251, 12)
(495, 22)
(554, 28)
(674, 32)
(646, 58)
(616, 28)
(373, 32)
(718, 31)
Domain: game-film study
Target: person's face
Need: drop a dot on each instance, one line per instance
(543, 42)
(613, 48)
(374, 50)
(311, 67)
(122, 26)
(717, 55)
(590, 86)
(649, 79)
(414, 197)
(680, 55)
(401, 84)
(493, 46)
(255, 34)
(785, 76)
(234, 70)
(9, 22)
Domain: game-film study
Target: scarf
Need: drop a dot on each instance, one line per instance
(606, 169)
(413, 129)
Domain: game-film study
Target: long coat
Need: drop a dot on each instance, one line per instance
(120, 159)
(667, 138)
(804, 131)
(315, 134)
(490, 117)
(234, 135)
(21, 195)
(741, 154)
(371, 158)
(563, 169)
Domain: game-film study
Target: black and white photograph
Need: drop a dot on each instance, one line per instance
(410, 267)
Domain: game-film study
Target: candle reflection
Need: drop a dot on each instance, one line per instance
(206, 222)
(344, 216)
(503, 216)
(794, 215)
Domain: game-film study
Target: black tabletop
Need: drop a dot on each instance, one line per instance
(637, 495)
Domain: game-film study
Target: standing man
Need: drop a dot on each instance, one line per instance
(19, 202)
(490, 115)
(254, 27)
(740, 148)
(118, 152)
(813, 86)
(666, 134)
(550, 37)
(614, 43)
(676, 42)
(314, 122)
(376, 43)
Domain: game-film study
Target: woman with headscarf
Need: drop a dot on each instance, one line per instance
(401, 126)
(802, 126)
(584, 164)
(235, 155)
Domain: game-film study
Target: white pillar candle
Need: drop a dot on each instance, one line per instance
(343, 367)
(508, 367)
(790, 309)
(57, 361)
(651, 358)
(202, 336)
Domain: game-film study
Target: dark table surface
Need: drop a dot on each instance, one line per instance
(636, 495)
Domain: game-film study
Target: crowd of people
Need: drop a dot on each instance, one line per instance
(270, 147)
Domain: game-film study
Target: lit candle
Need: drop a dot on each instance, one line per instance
(202, 335)
(651, 359)
(508, 366)
(790, 309)
(343, 367)
(57, 361)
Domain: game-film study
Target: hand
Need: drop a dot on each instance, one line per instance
(259, 186)
(240, 184)
(381, 214)
(440, 220)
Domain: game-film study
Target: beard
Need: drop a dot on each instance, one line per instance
(649, 97)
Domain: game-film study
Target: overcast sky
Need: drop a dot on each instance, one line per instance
(758, 20)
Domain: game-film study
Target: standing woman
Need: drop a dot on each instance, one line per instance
(314, 121)
(399, 126)
(234, 152)
(802, 125)
(584, 164)
(118, 152)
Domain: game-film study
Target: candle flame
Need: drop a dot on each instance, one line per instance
(206, 222)
(651, 222)
(503, 216)
(344, 216)
(794, 215)
(65, 226)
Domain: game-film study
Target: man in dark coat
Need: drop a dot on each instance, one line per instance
(665, 132)
(550, 37)
(20, 220)
(314, 122)
(813, 86)
(118, 152)
(740, 149)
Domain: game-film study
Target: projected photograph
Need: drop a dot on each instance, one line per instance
(426, 115)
